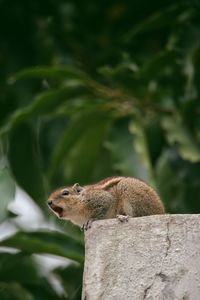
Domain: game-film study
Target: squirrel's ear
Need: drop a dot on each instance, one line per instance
(77, 188)
(110, 183)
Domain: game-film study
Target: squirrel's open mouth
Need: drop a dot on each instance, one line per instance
(57, 209)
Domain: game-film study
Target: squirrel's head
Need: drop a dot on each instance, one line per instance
(64, 201)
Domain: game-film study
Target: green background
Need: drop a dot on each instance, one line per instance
(90, 89)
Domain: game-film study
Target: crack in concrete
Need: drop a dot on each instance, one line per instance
(160, 274)
(163, 278)
(168, 238)
(168, 242)
(147, 290)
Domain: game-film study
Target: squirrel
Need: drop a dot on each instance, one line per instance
(109, 198)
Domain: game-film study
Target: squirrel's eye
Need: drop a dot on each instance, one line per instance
(65, 193)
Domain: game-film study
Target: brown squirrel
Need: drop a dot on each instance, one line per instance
(113, 196)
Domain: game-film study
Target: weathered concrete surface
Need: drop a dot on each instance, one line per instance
(148, 258)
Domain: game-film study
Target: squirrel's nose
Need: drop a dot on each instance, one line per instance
(50, 202)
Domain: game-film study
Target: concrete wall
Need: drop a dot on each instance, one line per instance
(155, 257)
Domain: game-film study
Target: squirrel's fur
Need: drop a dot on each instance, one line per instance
(106, 199)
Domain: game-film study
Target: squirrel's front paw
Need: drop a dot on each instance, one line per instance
(122, 218)
(87, 225)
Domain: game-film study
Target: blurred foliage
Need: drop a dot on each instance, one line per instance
(92, 89)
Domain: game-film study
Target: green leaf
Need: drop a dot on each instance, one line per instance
(22, 269)
(7, 192)
(166, 17)
(80, 144)
(73, 287)
(42, 104)
(140, 145)
(169, 184)
(124, 157)
(162, 64)
(86, 151)
(177, 134)
(50, 72)
(14, 291)
(11, 266)
(25, 162)
(51, 242)
(44, 291)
